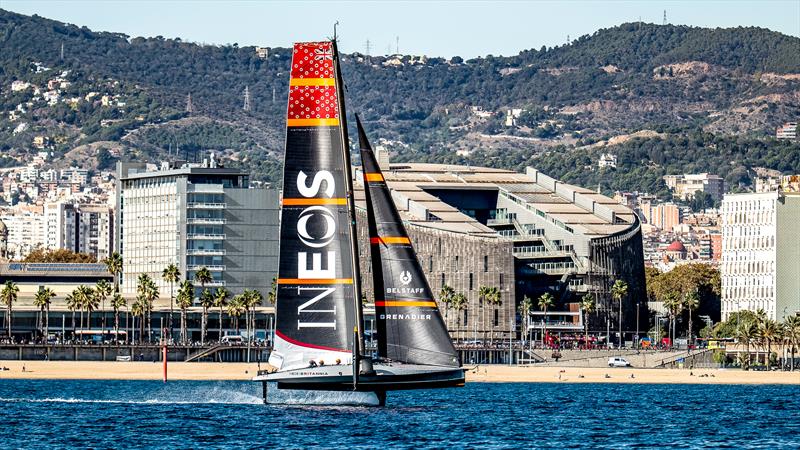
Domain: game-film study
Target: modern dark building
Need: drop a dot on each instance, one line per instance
(525, 234)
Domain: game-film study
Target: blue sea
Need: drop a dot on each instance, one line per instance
(197, 414)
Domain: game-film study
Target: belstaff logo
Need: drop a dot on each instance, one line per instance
(405, 277)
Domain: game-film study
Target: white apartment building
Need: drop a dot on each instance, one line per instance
(60, 226)
(25, 233)
(760, 266)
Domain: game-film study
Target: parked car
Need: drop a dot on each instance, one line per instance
(618, 361)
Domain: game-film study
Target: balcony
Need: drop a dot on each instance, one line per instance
(205, 251)
(205, 236)
(203, 205)
(205, 221)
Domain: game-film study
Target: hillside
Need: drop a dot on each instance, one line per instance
(128, 97)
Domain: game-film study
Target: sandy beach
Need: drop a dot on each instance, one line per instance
(496, 373)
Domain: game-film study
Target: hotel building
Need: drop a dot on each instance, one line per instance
(196, 216)
(760, 253)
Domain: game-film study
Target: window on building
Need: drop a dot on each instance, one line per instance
(430, 263)
(496, 317)
(458, 263)
(465, 317)
(485, 263)
(501, 282)
(470, 281)
(443, 280)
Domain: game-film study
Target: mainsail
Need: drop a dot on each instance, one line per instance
(410, 328)
(315, 307)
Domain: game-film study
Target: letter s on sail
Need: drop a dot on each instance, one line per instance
(313, 190)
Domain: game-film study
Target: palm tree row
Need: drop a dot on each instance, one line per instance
(755, 329)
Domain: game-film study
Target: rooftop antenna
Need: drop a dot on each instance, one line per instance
(367, 48)
(246, 106)
(567, 39)
(397, 45)
(665, 17)
(334, 30)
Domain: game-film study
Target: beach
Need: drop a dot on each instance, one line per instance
(110, 370)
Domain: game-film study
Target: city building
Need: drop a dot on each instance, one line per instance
(25, 232)
(786, 131)
(525, 234)
(760, 266)
(95, 224)
(195, 215)
(665, 216)
(60, 226)
(685, 186)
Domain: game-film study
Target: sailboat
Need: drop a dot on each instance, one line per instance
(319, 337)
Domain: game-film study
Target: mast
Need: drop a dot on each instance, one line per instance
(351, 210)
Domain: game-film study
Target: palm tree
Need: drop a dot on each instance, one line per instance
(619, 291)
(91, 304)
(82, 295)
(206, 301)
(117, 302)
(459, 303)
(185, 299)
(791, 334)
(272, 295)
(525, 308)
(8, 296)
(103, 289)
(147, 293)
(769, 332)
(138, 309)
(236, 307)
(494, 298)
(42, 301)
(673, 305)
(691, 301)
(545, 301)
(446, 297)
(203, 276)
(220, 299)
(588, 307)
(744, 334)
(253, 298)
(171, 275)
(114, 266)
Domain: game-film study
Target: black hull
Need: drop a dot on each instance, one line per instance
(379, 383)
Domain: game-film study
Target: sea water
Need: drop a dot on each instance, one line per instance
(200, 414)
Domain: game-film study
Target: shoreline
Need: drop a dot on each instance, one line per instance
(111, 370)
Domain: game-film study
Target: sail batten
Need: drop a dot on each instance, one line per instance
(410, 327)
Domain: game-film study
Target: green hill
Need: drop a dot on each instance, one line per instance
(731, 84)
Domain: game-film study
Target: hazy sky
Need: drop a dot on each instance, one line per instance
(434, 28)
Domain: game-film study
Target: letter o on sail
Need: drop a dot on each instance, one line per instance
(326, 217)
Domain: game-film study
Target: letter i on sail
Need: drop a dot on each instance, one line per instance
(318, 299)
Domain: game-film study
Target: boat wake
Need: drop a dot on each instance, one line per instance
(162, 396)
(277, 396)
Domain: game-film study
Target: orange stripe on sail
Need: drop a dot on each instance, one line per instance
(312, 82)
(389, 240)
(373, 177)
(313, 201)
(312, 122)
(405, 303)
(315, 281)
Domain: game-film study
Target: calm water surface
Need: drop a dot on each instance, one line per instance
(194, 414)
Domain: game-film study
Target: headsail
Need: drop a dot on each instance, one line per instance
(315, 307)
(410, 328)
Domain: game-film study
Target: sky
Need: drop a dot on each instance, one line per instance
(433, 28)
